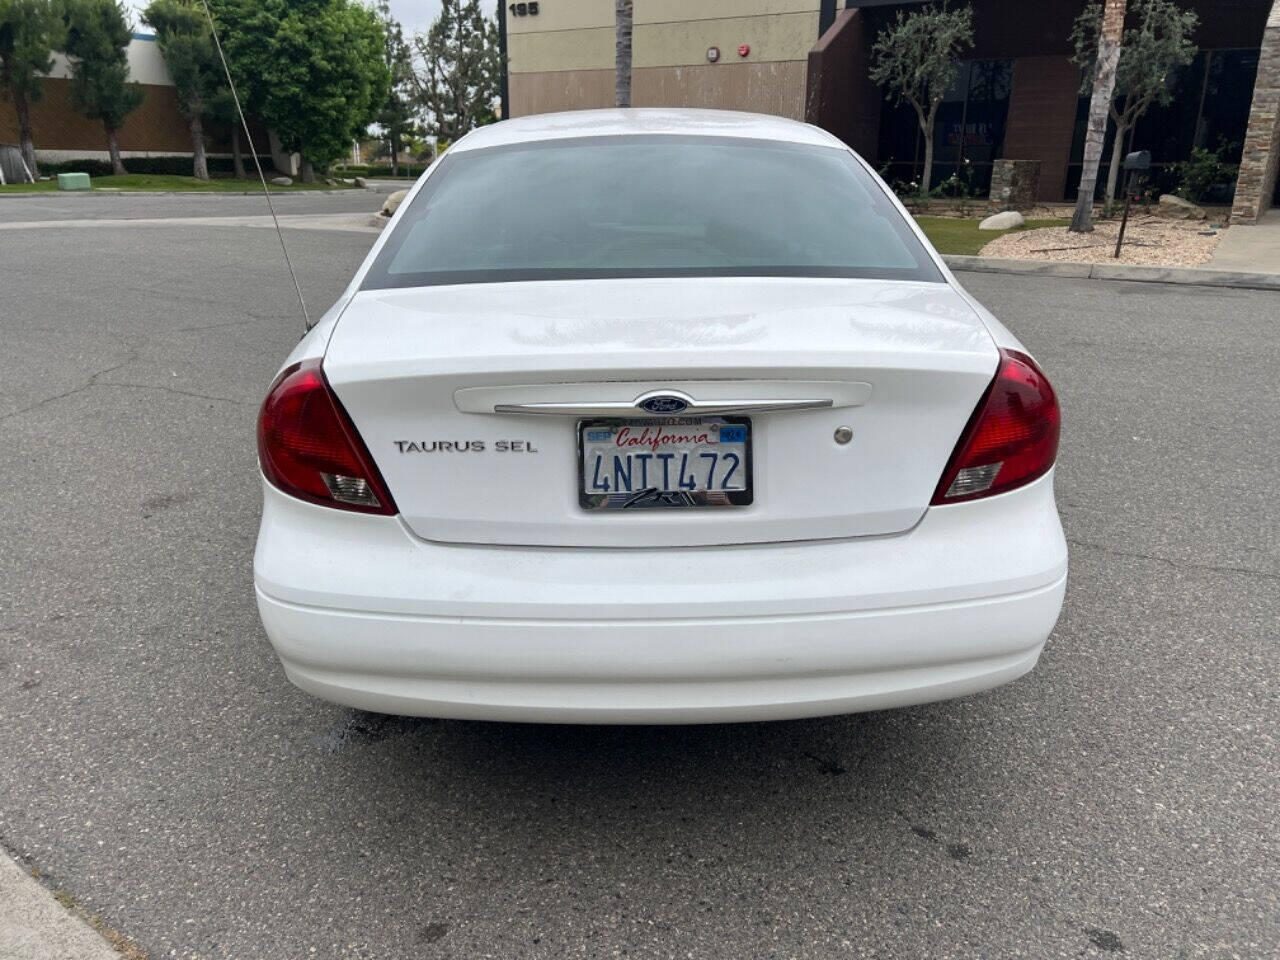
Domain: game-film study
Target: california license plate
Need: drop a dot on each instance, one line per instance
(671, 462)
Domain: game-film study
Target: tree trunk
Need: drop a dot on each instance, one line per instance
(113, 148)
(926, 178)
(308, 171)
(1110, 37)
(395, 154)
(926, 128)
(25, 141)
(199, 165)
(237, 156)
(1117, 161)
(622, 53)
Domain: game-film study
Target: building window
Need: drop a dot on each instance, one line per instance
(1210, 108)
(968, 132)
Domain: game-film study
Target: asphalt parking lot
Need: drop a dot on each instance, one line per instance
(157, 768)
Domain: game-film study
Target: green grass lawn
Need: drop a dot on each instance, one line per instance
(149, 181)
(951, 235)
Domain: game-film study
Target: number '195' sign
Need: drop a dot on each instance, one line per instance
(524, 9)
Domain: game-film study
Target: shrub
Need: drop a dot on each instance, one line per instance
(1207, 177)
(169, 165)
(959, 186)
(94, 168)
(378, 169)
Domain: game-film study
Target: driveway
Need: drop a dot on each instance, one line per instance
(157, 767)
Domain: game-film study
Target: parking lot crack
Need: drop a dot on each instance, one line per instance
(91, 382)
(252, 318)
(1137, 555)
(173, 390)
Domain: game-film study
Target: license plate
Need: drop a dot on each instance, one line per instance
(671, 462)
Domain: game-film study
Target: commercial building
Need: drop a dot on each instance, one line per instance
(156, 129)
(1017, 94)
(60, 133)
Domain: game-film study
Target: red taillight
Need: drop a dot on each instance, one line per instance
(1011, 439)
(309, 448)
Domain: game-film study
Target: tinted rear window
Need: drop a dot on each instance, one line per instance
(648, 206)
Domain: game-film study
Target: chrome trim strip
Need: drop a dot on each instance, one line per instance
(608, 397)
(628, 408)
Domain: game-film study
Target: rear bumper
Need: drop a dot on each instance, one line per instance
(363, 613)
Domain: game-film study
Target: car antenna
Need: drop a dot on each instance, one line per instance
(306, 319)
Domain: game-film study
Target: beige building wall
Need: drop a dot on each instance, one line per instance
(562, 59)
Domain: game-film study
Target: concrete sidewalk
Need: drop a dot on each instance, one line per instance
(1134, 272)
(35, 926)
(1250, 249)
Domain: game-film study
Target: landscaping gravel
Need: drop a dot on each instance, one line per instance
(1147, 240)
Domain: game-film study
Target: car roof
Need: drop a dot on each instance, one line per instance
(634, 121)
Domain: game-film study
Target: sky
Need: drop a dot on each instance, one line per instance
(414, 15)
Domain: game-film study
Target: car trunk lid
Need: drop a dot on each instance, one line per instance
(430, 377)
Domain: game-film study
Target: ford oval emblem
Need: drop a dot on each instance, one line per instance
(663, 403)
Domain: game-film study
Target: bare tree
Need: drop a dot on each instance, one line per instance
(1110, 38)
(459, 81)
(622, 53)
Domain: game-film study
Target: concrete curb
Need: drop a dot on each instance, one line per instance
(288, 221)
(35, 926)
(1119, 271)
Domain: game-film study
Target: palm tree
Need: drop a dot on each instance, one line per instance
(622, 53)
(1110, 39)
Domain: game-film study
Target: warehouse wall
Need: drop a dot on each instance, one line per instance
(840, 96)
(1042, 113)
(156, 127)
(562, 59)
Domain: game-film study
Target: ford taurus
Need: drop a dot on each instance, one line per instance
(656, 416)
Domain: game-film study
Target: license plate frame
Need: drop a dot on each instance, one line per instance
(651, 498)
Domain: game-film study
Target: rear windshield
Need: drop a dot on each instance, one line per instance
(648, 206)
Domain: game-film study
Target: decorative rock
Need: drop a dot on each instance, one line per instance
(1003, 221)
(360, 182)
(393, 202)
(1175, 208)
(282, 181)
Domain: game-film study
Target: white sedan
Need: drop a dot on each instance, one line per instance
(656, 416)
